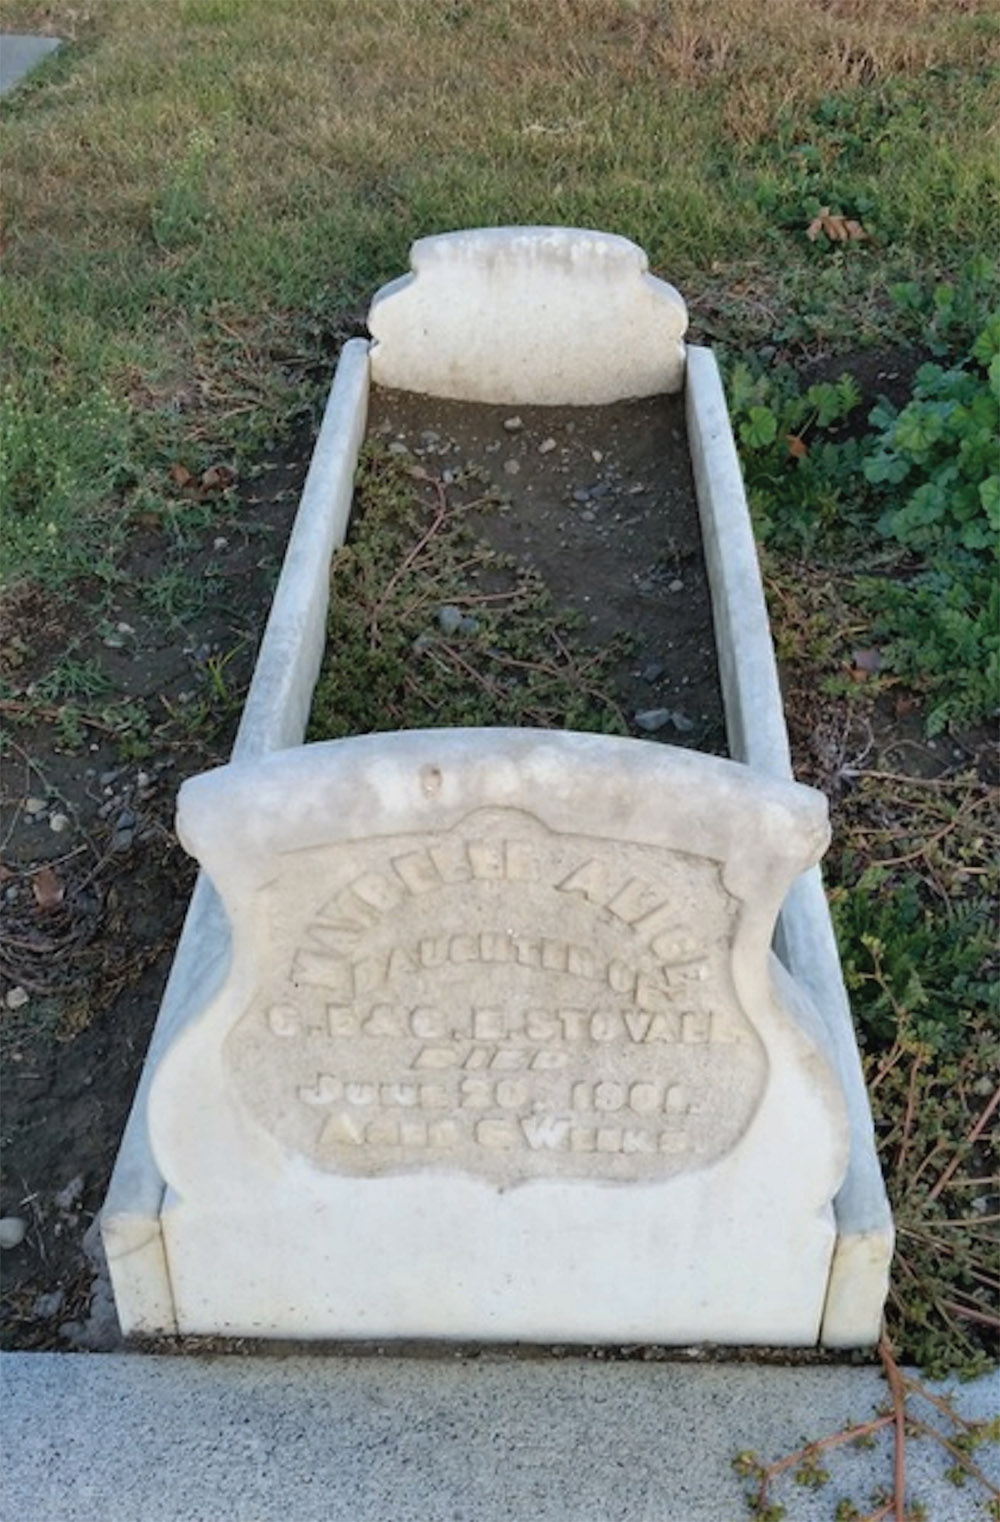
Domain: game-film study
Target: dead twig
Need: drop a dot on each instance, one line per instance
(968, 1140)
(400, 572)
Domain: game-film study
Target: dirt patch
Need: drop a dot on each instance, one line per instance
(108, 703)
(599, 502)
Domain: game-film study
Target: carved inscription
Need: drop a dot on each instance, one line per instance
(500, 1001)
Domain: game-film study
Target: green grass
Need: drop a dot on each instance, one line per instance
(200, 196)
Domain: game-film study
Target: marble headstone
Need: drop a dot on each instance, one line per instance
(502, 1051)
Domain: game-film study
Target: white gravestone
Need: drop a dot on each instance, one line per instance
(502, 1052)
(554, 316)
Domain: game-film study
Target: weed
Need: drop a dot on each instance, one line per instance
(935, 466)
(946, 317)
(174, 592)
(800, 480)
(913, 1411)
(73, 678)
(428, 626)
(926, 481)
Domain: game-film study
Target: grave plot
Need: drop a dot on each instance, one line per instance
(538, 568)
(484, 1038)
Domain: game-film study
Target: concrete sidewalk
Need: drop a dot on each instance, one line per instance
(19, 55)
(135, 1438)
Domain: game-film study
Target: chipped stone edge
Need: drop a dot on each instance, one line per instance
(274, 718)
(805, 939)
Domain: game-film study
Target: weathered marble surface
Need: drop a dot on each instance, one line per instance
(541, 315)
(502, 1052)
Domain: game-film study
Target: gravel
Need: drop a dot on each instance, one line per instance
(12, 1231)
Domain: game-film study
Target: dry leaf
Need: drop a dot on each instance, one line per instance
(837, 228)
(217, 478)
(797, 448)
(48, 888)
(180, 475)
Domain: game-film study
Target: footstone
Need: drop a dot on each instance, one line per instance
(595, 326)
(502, 1051)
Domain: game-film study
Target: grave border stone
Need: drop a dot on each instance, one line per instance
(275, 716)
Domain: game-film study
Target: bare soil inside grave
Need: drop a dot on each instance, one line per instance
(597, 506)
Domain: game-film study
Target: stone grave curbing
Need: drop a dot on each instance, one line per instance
(278, 704)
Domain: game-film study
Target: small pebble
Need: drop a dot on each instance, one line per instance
(512, 467)
(581, 495)
(449, 619)
(675, 586)
(546, 446)
(122, 840)
(34, 806)
(17, 998)
(587, 516)
(513, 424)
(48, 1305)
(681, 722)
(398, 447)
(125, 820)
(652, 719)
(12, 1230)
(596, 456)
(59, 822)
(114, 640)
(652, 671)
(221, 543)
(69, 1196)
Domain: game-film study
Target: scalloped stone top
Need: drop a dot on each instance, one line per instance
(555, 316)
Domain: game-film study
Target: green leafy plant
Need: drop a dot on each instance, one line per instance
(935, 468)
(946, 317)
(943, 446)
(799, 474)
